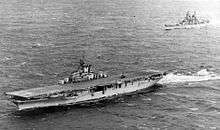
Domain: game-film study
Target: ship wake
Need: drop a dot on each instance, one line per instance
(202, 75)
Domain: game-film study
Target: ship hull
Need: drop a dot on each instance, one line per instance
(87, 96)
(170, 27)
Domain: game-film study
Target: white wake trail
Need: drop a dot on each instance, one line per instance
(202, 75)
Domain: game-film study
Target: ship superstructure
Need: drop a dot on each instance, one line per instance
(93, 87)
(83, 73)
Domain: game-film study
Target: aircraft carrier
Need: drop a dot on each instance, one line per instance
(83, 86)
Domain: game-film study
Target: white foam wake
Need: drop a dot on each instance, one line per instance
(201, 75)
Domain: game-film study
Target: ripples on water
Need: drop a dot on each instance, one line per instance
(42, 40)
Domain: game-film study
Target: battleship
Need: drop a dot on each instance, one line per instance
(190, 21)
(83, 86)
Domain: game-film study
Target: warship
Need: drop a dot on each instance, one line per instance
(190, 21)
(83, 86)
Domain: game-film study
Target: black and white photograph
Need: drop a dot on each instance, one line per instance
(110, 65)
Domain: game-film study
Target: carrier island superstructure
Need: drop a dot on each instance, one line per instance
(83, 86)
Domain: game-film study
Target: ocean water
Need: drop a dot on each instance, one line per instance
(41, 41)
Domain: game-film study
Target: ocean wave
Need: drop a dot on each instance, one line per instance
(10, 62)
(146, 99)
(36, 45)
(5, 59)
(211, 101)
(193, 109)
(131, 104)
(37, 74)
(212, 109)
(180, 95)
(161, 94)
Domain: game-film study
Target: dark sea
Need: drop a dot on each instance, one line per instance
(41, 41)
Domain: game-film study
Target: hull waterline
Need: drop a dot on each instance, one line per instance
(171, 27)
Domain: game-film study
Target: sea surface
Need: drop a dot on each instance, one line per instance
(41, 41)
